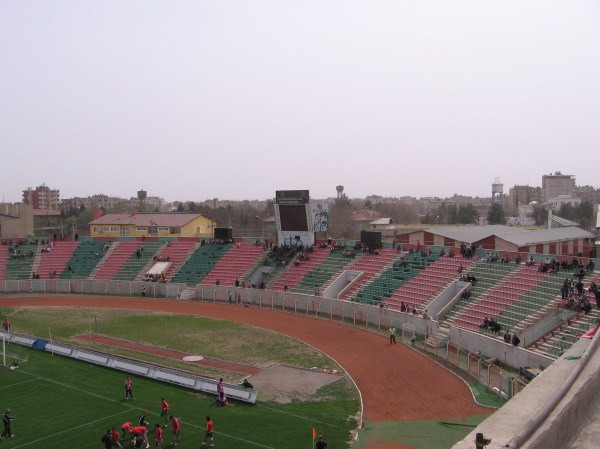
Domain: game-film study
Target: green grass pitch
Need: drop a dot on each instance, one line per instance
(68, 404)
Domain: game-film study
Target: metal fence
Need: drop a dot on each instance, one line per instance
(502, 382)
(353, 314)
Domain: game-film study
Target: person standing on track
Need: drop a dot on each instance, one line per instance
(128, 388)
(209, 432)
(164, 410)
(175, 430)
(392, 333)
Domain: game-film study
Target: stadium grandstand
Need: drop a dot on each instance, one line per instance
(478, 287)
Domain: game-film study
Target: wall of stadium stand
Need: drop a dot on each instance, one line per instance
(136, 367)
(353, 313)
(556, 411)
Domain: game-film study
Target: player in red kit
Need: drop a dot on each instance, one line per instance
(164, 410)
(176, 430)
(158, 435)
(209, 432)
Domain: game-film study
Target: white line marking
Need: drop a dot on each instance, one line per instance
(298, 416)
(18, 383)
(69, 430)
(129, 407)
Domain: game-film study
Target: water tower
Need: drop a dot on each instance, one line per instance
(142, 194)
(497, 191)
(340, 190)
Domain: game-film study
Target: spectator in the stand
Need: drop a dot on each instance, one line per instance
(516, 340)
(507, 337)
(518, 259)
(402, 307)
(564, 290)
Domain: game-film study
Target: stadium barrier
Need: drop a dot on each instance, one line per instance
(557, 413)
(93, 287)
(133, 366)
(414, 328)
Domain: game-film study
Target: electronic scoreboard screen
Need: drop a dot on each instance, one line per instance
(293, 218)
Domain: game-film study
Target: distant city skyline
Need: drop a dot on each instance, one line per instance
(234, 100)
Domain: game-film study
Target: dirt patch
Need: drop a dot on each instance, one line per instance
(286, 383)
(171, 354)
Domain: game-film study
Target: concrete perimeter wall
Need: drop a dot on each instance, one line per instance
(562, 427)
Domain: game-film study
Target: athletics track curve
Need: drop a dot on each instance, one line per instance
(396, 382)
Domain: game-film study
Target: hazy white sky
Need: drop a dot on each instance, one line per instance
(192, 100)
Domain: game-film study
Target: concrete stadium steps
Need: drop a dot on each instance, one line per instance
(19, 269)
(488, 275)
(57, 259)
(323, 274)
(533, 305)
(85, 258)
(370, 265)
(200, 262)
(293, 275)
(3, 261)
(234, 263)
(135, 265)
(565, 335)
(421, 289)
(390, 280)
(499, 298)
(177, 252)
(121, 253)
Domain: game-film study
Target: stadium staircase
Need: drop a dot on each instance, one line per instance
(520, 295)
(488, 275)
(293, 274)
(4, 254)
(20, 269)
(57, 259)
(200, 262)
(390, 280)
(428, 283)
(134, 265)
(326, 272)
(370, 265)
(114, 259)
(177, 252)
(234, 264)
(558, 340)
(85, 258)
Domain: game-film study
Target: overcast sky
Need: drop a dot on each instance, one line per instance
(193, 100)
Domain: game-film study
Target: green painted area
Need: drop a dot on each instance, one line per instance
(434, 434)
(486, 397)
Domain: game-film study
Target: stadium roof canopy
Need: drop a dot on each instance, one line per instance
(516, 236)
(173, 220)
(563, 221)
